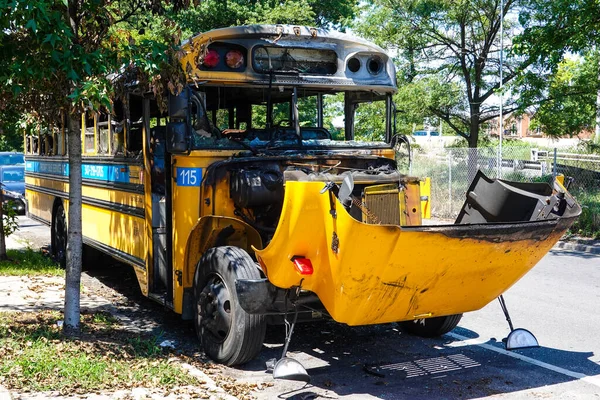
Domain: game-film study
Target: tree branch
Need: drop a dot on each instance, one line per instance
(447, 119)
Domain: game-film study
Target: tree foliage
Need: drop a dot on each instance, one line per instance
(61, 56)
(11, 136)
(551, 31)
(451, 49)
(211, 14)
(569, 106)
(552, 28)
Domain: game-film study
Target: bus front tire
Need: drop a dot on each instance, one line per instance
(431, 327)
(228, 334)
(59, 236)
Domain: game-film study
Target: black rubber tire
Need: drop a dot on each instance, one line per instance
(431, 327)
(58, 236)
(214, 281)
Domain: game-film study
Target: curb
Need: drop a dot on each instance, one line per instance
(579, 247)
(206, 380)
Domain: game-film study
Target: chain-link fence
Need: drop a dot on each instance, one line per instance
(452, 169)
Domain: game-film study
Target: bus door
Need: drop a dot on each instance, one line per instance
(161, 280)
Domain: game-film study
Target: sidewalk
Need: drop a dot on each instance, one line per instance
(36, 293)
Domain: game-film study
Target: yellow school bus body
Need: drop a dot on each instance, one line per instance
(373, 260)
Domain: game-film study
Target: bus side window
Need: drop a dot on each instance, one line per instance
(134, 136)
(31, 141)
(157, 160)
(103, 132)
(117, 131)
(135, 125)
(90, 130)
(60, 135)
(34, 144)
(43, 142)
(49, 142)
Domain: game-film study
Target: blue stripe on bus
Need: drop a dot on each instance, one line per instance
(107, 173)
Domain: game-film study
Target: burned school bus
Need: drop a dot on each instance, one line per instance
(254, 206)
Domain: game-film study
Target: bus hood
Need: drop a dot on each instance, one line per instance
(369, 274)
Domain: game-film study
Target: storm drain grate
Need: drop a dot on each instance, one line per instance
(428, 366)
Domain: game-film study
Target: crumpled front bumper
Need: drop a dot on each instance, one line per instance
(368, 274)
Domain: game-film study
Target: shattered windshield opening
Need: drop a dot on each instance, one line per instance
(237, 118)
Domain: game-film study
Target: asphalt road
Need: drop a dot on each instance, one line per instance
(557, 301)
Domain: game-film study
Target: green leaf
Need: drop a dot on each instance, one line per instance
(72, 75)
(106, 102)
(87, 68)
(51, 38)
(31, 24)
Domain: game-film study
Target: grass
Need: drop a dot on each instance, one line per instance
(35, 356)
(29, 262)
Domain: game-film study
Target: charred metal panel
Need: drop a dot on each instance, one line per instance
(491, 201)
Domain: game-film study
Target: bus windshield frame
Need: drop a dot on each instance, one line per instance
(295, 118)
(238, 70)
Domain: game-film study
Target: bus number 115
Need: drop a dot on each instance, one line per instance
(189, 176)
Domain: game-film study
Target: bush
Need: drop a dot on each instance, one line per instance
(588, 223)
(11, 223)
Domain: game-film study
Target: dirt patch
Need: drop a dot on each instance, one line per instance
(136, 319)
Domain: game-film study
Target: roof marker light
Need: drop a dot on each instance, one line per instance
(303, 265)
(234, 59)
(211, 59)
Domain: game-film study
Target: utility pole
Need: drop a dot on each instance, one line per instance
(597, 131)
(501, 133)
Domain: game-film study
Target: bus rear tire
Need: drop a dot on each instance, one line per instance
(58, 238)
(228, 334)
(431, 327)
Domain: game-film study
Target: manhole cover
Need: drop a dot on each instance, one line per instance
(426, 366)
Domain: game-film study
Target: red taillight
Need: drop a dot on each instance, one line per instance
(303, 265)
(211, 59)
(234, 59)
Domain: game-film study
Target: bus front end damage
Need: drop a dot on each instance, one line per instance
(367, 273)
(333, 241)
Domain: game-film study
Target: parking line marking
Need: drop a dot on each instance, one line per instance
(465, 341)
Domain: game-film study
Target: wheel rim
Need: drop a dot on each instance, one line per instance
(215, 310)
(60, 236)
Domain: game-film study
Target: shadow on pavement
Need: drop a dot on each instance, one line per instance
(383, 362)
(378, 361)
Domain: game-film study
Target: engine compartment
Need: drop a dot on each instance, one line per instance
(380, 195)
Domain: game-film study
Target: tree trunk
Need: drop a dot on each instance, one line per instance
(473, 139)
(74, 238)
(3, 255)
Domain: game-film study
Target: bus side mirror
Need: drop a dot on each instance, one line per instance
(178, 129)
(178, 137)
(179, 104)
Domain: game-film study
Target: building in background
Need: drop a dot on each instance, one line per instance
(518, 126)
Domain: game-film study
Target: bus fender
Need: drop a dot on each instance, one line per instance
(211, 231)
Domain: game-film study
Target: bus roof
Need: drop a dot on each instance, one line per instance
(285, 55)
